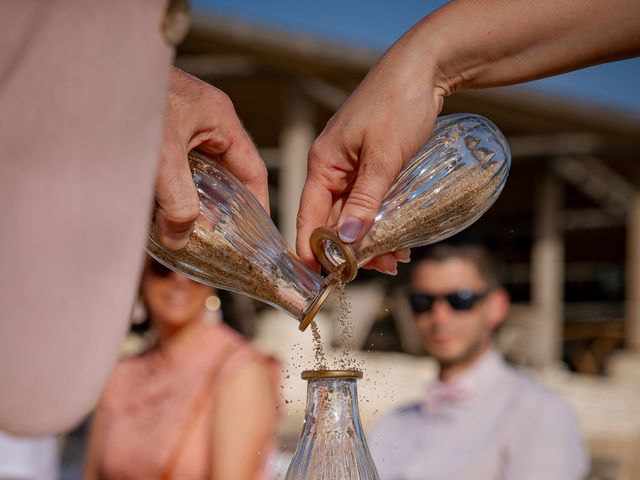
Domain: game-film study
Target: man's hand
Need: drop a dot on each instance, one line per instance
(199, 115)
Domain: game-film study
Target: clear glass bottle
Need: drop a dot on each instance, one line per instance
(235, 246)
(447, 186)
(332, 445)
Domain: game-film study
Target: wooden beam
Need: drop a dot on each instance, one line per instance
(590, 218)
(294, 48)
(547, 272)
(553, 145)
(325, 93)
(271, 157)
(296, 137)
(211, 65)
(633, 275)
(574, 272)
(596, 180)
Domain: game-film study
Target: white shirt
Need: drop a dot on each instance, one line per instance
(28, 458)
(490, 423)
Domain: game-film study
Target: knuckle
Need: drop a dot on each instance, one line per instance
(323, 149)
(301, 221)
(181, 214)
(315, 153)
(382, 162)
(378, 166)
(179, 210)
(224, 102)
(213, 100)
(255, 171)
(262, 174)
(363, 199)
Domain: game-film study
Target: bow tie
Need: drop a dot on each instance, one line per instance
(442, 395)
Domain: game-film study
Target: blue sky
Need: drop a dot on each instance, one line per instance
(378, 23)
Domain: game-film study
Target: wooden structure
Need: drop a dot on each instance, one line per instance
(567, 224)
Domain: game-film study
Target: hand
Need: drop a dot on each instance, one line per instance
(388, 262)
(199, 115)
(391, 113)
(364, 146)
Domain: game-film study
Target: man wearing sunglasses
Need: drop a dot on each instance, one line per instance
(481, 419)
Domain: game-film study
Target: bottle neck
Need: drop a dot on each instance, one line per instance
(332, 407)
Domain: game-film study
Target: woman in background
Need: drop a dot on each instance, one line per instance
(200, 404)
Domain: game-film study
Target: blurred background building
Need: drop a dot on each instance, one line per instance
(567, 226)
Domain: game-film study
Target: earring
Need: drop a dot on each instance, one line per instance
(138, 312)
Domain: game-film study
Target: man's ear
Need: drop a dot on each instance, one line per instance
(497, 305)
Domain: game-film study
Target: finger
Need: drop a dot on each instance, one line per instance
(403, 255)
(237, 152)
(376, 174)
(336, 208)
(242, 160)
(315, 206)
(385, 263)
(177, 200)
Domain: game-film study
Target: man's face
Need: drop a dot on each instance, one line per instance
(455, 336)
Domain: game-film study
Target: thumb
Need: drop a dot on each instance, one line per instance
(375, 176)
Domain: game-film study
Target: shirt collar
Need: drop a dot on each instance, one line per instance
(481, 375)
(466, 386)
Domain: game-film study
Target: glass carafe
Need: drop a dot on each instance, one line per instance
(235, 246)
(449, 184)
(332, 445)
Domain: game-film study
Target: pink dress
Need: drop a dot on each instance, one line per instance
(157, 410)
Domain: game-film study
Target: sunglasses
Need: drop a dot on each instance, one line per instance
(159, 270)
(461, 300)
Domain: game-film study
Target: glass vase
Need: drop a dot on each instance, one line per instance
(235, 246)
(332, 445)
(448, 185)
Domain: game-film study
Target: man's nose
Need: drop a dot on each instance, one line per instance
(441, 310)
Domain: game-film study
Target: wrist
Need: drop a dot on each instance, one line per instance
(460, 55)
(427, 49)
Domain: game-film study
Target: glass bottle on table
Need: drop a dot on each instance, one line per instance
(332, 444)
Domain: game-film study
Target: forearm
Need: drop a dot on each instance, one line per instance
(471, 44)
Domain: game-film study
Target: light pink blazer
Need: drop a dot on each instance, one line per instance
(82, 93)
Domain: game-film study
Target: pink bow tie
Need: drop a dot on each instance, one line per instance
(444, 394)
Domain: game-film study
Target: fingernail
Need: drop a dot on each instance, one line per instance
(350, 230)
(403, 260)
(393, 272)
(175, 241)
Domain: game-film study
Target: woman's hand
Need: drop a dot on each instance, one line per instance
(364, 146)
